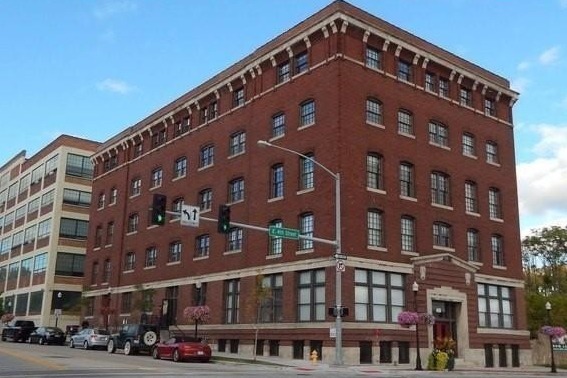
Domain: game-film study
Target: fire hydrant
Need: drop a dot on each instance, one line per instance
(314, 356)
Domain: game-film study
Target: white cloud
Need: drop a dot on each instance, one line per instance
(522, 66)
(542, 182)
(519, 84)
(115, 86)
(112, 8)
(549, 56)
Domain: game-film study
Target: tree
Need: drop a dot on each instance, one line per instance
(197, 314)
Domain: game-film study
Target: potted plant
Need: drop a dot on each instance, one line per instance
(443, 355)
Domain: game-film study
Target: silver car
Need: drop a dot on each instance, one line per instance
(89, 338)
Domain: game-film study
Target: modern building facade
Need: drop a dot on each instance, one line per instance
(423, 143)
(44, 212)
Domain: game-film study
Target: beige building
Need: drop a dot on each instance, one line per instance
(44, 212)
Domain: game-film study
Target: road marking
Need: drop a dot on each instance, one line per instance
(33, 359)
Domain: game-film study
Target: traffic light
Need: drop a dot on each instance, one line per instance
(223, 221)
(159, 205)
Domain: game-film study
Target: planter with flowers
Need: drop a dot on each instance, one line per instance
(443, 355)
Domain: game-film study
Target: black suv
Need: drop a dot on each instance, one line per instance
(133, 338)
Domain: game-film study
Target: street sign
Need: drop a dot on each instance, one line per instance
(333, 333)
(189, 216)
(282, 232)
(340, 256)
(57, 312)
(341, 266)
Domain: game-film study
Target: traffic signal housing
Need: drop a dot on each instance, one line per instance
(159, 205)
(223, 220)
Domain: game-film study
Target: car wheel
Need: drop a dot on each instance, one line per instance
(41, 341)
(71, 343)
(86, 345)
(155, 353)
(176, 356)
(110, 347)
(128, 348)
(150, 338)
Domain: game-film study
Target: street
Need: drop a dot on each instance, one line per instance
(25, 360)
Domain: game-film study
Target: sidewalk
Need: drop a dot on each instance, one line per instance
(306, 366)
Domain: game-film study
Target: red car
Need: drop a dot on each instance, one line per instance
(182, 349)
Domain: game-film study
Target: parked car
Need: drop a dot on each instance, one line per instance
(71, 330)
(182, 349)
(18, 330)
(47, 335)
(133, 338)
(90, 338)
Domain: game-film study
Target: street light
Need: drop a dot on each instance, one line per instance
(548, 308)
(338, 274)
(58, 307)
(415, 288)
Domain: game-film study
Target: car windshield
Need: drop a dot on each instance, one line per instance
(101, 332)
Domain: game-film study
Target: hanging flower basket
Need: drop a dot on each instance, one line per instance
(7, 318)
(555, 332)
(198, 314)
(409, 318)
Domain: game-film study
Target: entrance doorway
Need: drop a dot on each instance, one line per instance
(445, 327)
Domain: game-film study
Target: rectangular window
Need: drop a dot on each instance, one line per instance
(277, 181)
(174, 252)
(306, 171)
(373, 58)
(276, 243)
(157, 177)
(135, 187)
(438, 134)
(182, 126)
(48, 198)
(306, 227)
(489, 107)
(109, 233)
(469, 145)
(73, 228)
(278, 125)
(236, 190)
(133, 222)
(473, 245)
(202, 245)
(151, 257)
(207, 156)
(497, 247)
(237, 143)
(301, 63)
(405, 122)
(238, 97)
(311, 296)
(492, 152)
(232, 301)
(106, 271)
(78, 165)
(471, 199)
(205, 199)
(271, 302)
(180, 167)
(404, 71)
(430, 82)
(465, 97)
(283, 72)
(442, 235)
(407, 182)
(101, 199)
(494, 204)
(440, 189)
(374, 171)
(75, 197)
(138, 150)
(407, 233)
(378, 296)
(373, 111)
(375, 226)
(307, 113)
(126, 303)
(40, 263)
(444, 87)
(495, 306)
(129, 261)
(44, 229)
(235, 239)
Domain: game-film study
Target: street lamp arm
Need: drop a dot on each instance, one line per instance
(264, 143)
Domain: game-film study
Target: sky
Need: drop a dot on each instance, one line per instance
(93, 68)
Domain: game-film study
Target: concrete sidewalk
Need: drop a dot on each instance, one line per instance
(307, 366)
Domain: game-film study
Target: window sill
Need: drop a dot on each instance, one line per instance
(472, 214)
(200, 169)
(149, 267)
(377, 125)
(177, 178)
(406, 198)
(499, 220)
(442, 206)
(235, 202)
(275, 199)
(499, 267)
(376, 248)
(304, 251)
(441, 146)
(303, 191)
(236, 155)
(411, 136)
(493, 163)
(302, 127)
(236, 251)
(445, 249)
(377, 191)
(128, 271)
(274, 256)
(470, 156)
(409, 253)
(274, 138)
(200, 258)
(173, 263)
(131, 233)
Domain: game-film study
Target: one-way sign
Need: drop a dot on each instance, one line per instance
(189, 216)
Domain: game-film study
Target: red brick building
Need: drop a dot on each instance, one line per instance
(423, 143)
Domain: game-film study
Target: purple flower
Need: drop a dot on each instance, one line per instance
(554, 332)
(199, 314)
(407, 318)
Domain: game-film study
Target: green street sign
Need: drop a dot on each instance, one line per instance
(281, 232)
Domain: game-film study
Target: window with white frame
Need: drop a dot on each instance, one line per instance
(44, 228)
(182, 126)
(373, 58)
(495, 306)
(444, 87)
(202, 245)
(407, 180)
(276, 243)
(135, 187)
(375, 228)
(157, 177)
(405, 122)
(277, 181)
(232, 301)
(440, 189)
(306, 171)
(238, 97)
(207, 156)
(48, 198)
(133, 222)
(174, 251)
(101, 200)
(237, 143)
(404, 71)
(311, 296)
(180, 167)
(68, 228)
(489, 107)
(492, 152)
(113, 196)
(236, 190)
(465, 97)
(407, 233)
(301, 61)
(494, 203)
(430, 82)
(374, 171)
(109, 233)
(307, 113)
(306, 228)
(283, 72)
(373, 111)
(151, 257)
(234, 239)
(378, 296)
(471, 197)
(205, 199)
(271, 305)
(473, 244)
(278, 125)
(469, 144)
(159, 138)
(442, 235)
(497, 246)
(438, 134)
(129, 261)
(106, 270)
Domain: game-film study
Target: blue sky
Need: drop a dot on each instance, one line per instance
(93, 68)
